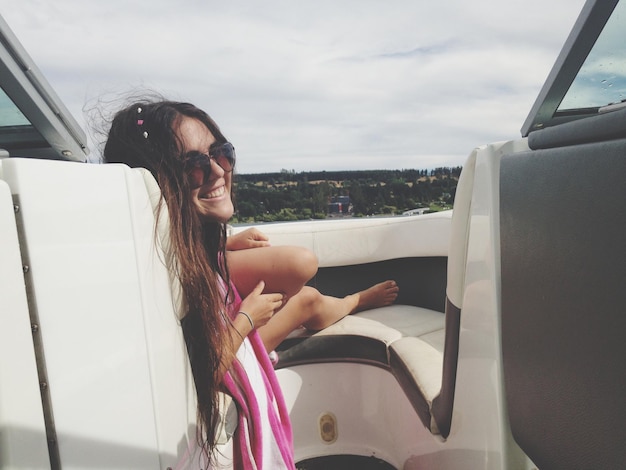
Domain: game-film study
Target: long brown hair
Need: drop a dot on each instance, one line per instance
(143, 135)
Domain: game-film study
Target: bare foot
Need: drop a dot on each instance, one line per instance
(379, 295)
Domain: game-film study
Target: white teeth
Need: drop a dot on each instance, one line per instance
(217, 193)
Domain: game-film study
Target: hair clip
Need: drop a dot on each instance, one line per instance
(140, 123)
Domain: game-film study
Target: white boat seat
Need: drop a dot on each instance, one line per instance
(363, 337)
(418, 345)
(111, 341)
(23, 441)
(418, 366)
(406, 319)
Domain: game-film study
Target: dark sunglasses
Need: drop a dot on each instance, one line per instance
(222, 154)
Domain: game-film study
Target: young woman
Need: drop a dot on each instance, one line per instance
(193, 162)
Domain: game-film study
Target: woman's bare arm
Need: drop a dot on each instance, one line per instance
(259, 309)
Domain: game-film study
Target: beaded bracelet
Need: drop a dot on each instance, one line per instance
(248, 317)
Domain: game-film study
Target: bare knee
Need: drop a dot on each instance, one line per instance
(311, 301)
(309, 298)
(287, 268)
(298, 264)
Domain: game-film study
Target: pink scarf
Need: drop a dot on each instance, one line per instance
(238, 386)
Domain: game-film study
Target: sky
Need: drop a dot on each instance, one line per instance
(308, 85)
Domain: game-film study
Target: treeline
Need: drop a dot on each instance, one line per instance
(288, 195)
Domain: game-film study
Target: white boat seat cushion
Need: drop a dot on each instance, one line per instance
(107, 321)
(412, 337)
(427, 371)
(22, 430)
(406, 319)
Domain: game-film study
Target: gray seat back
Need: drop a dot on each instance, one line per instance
(563, 221)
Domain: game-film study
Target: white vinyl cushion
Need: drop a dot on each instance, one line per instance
(119, 376)
(359, 240)
(22, 431)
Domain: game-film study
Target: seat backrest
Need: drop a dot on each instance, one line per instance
(563, 220)
(118, 382)
(23, 441)
(457, 257)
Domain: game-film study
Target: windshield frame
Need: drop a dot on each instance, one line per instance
(51, 131)
(582, 38)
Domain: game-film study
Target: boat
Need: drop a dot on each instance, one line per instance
(504, 350)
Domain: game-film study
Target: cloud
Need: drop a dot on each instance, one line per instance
(356, 84)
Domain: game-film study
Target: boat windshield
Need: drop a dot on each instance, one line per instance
(589, 75)
(10, 115)
(33, 120)
(602, 78)
(16, 131)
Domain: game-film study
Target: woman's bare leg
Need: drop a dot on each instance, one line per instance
(316, 311)
(287, 269)
(284, 269)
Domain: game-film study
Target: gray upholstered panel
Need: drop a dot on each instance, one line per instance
(599, 128)
(563, 227)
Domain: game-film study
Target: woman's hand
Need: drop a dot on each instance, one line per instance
(258, 308)
(249, 238)
(261, 307)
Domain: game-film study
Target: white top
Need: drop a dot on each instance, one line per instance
(272, 458)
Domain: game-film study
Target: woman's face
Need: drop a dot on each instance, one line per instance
(212, 198)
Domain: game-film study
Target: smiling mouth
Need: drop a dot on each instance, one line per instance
(215, 193)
